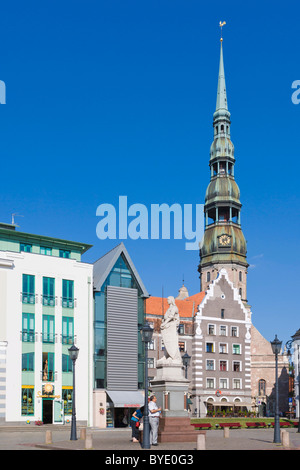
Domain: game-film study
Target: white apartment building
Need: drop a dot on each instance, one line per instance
(46, 305)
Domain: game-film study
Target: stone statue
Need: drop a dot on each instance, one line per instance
(169, 333)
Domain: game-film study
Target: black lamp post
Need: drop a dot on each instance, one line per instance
(73, 353)
(147, 333)
(186, 362)
(276, 347)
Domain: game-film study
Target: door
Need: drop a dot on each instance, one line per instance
(58, 411)
(47, 411)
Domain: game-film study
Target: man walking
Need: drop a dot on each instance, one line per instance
(154, 413)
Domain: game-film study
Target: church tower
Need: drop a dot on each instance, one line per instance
(223, 244)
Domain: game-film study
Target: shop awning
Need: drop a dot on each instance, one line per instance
(126, 399)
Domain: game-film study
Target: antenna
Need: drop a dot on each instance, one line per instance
(13, 218)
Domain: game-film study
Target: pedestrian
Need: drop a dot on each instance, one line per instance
(135, 423)
(154, 413)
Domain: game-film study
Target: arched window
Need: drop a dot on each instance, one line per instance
(240, 275)
(261, 387)
(240, 291)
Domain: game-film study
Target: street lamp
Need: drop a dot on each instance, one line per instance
(186, 362)
(276, 347)
(73, 354)
(147, 333)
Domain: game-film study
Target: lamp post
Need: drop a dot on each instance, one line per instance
(186, 362)
(276, 347)
(147, 333)
(73, 354)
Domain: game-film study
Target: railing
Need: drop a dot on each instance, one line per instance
(66, 339)
(28, 298)
(48, 376)
(68, 302)
(49, 300)
(28, 336)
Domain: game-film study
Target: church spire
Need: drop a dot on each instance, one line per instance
(223, 244)
(221, 93)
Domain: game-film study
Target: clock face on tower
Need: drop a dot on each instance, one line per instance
(224, 240)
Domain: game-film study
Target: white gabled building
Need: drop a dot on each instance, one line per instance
(46, 304)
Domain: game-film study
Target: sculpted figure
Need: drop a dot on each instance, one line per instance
(169, 333)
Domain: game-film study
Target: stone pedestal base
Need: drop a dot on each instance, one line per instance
(177, 430)
(171, 389)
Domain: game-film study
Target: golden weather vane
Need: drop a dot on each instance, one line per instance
(221, 24)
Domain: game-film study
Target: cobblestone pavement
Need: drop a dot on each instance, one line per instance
(25, 438)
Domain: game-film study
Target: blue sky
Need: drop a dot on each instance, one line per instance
(110, 98)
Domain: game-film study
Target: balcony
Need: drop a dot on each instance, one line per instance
(49, 300)
(28, 298)
(67, 302)
(28, 336)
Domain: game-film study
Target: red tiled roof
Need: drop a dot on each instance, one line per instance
(187, 307)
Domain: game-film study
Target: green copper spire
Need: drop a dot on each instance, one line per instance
(221, 93)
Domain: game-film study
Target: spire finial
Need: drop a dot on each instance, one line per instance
(221, 24)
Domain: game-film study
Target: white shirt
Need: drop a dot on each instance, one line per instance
(153, 406)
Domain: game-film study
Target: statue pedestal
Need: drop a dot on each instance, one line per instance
(171, 389)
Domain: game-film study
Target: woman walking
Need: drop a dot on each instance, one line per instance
(135, 423)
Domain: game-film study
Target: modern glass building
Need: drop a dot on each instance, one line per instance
(119, 297)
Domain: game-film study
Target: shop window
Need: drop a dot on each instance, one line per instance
(27, 401)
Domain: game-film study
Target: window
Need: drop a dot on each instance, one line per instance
(28, 362)
(222, 313)
(67, 396)
(181, 346)
(67, 365)
(28, 327)
(240, 291)
(64, 253)
(48, 367)
(240, 276)
(67, 293)
(236, 384)
(223, 383)
(181, 329)
(236, 366)
(223, 348)
(210, 383)
(234, 331)
(151, 345)
(223, 330)
(48, 329)
(45, 251)
(67, 330)
(210, 364)
(48, 291)
(223, 365)
(121, 275)
(211, 329)
(208, 276)
(25, 247)
(236, 349)
(28, 289)
(150, 362)
(261, 387)
(210, 347)
(27, 401)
